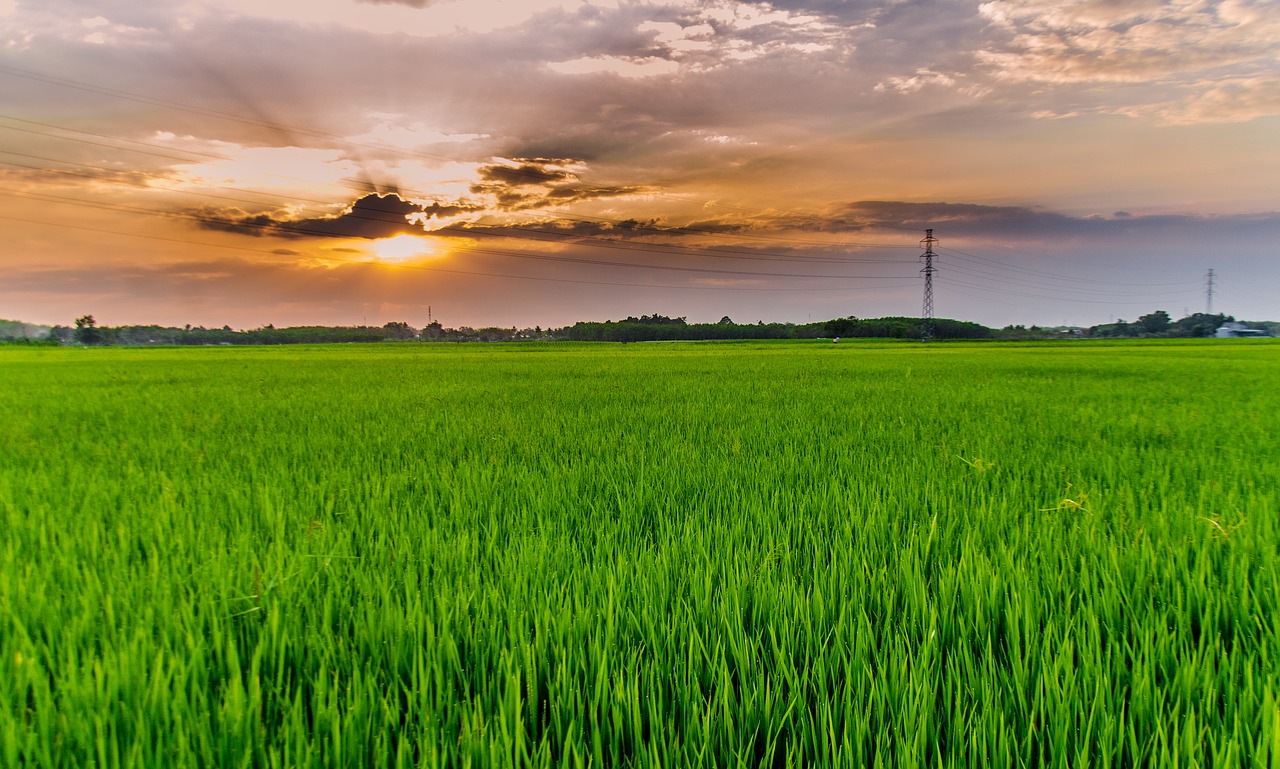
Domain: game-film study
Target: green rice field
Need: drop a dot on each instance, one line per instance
(656, 555)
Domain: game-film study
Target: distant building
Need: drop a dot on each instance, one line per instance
(1232, 329)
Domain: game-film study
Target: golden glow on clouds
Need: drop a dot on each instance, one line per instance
(283, 169)
(614, 65)
(432, 19)
(402, 248)
(1132, 41)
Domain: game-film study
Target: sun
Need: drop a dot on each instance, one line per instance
(402, 247)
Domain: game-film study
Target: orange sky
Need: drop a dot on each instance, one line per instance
(546, 161)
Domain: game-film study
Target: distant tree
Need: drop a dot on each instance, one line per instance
(1199, 324)
(726, 321)
(1155, 322)
(657, 320)
(841, 326)
(1121, 328)
(87, 330)
(64, 334)
(399, 330)
(433, 330)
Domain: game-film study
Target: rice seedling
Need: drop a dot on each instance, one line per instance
(654, 555)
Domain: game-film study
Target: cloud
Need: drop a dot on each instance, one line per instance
(531, 183)
(228, 285)
(1234, 100)
(975, 221)
(372, 216)
(646, 67)
(1018, 223)
(564, 231)
(528, 173)
(735, 69)
(410, 3)
(1129, 41)
(922, 77)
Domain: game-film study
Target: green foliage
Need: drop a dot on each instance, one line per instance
(904, 328)
(758, 554)
(87, 330)
(398, 330)
(633, 330)
(1159, 323)
(1155, 323)
(656, 320)
(23, 333)
(1199, 324)
(638, 330)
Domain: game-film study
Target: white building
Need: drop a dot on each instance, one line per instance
(1232, 329)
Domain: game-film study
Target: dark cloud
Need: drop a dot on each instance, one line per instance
(525, 174)
(966, 218)
(508, 199)
(538, 182)
(996, 223)
(576, 229)
(372, 216)
(573, 194)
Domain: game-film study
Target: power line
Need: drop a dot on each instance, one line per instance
(534, 235)
(289, 129)
(622, 224)
(1073, 300)
(359, 262)
(538, 235)
(1011, 275)
(627, 246)
(987, 261)
(103, 136)
(300, 231)
(1090, 290)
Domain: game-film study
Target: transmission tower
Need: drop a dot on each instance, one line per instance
(926, 314)
(1208, 294)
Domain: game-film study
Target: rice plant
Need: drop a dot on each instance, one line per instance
(787, 554)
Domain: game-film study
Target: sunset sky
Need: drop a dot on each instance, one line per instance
(538, 162)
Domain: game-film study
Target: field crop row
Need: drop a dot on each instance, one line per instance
(646, 555)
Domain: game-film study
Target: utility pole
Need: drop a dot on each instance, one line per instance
(926, 314)
(1208, 294)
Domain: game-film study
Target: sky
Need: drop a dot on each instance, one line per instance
(540, 162)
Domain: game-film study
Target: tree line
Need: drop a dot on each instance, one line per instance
(645, 328)
(1161, 324)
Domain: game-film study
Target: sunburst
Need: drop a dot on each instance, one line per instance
(402, 248)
